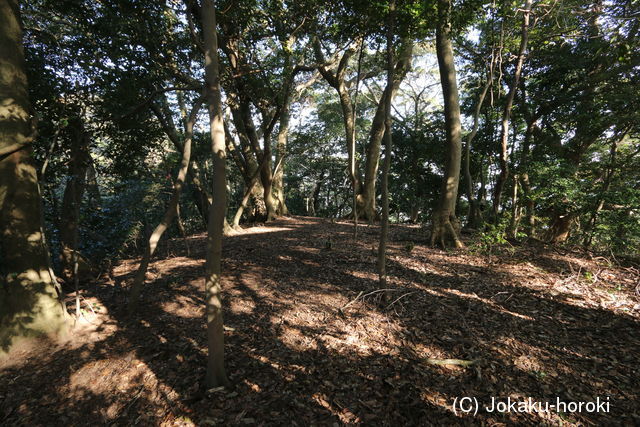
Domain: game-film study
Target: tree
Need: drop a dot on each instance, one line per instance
(445, 223)
(216, 375)
(506, 112)
(384, 223)
(170, 213)
(29, 304)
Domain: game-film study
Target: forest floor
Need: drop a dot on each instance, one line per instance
(310, 340)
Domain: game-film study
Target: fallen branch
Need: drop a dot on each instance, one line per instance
(399, 298)
(457, 362)
(361, 296)
(351, 302)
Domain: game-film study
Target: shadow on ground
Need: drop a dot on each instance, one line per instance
(294, 357)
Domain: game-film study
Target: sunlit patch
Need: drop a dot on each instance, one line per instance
(242, 306)
(338, 409)
(263, 230)
(253, 386)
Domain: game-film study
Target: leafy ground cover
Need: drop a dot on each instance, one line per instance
(311, 340)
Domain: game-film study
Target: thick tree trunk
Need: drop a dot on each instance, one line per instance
(445, 223)
(560, 228)
(247, 194)
(170, 213)
(216, 375)
(29, 303)
(506, 112)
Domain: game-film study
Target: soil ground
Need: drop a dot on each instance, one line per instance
(312, 340)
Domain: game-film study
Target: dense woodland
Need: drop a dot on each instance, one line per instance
(394, 203)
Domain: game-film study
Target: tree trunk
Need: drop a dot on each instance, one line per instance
(445, 223)
(591, 225)
(266, 176)
(281, 152)
(514, 222)
(506, 112)
(29, 303)
(72, 199)
(315, 196)
(248, 192)
(474, 217)
(384, 225)
(524, 176)
(216, 375)
(367, 199)
(560, 228)
(366, 204)
(169, 214)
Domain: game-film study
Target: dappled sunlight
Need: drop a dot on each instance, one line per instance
(309, 332)
(263, 230)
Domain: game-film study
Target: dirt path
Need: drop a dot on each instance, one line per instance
(537, 323)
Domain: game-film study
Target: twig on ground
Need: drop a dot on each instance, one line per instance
(362, 297)
(399, 298)
(457, 362)
(351, 302)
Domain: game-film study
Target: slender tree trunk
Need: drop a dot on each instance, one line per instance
(169, 214)
(526, 185)
(445, 223)
(591, 225)
(366, 199)
(266, 176)
(506, 112)
(353, 166)
(71, 201)
(384, 224)
(29, 303)
(376, 134)
(216, 375)
(474, 217)
(281, 152)
(315, 196)
(514, 222)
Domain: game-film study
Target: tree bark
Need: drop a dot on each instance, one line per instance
(72, 199)
(591, 225)
(474, 216)
(281, 152)
(514, 222)
(384, 224)
(216, 375)
(530, 223)
(368, 196)
(29, 303)
(366, 199)
(506, 112)
(560, 227)
(169, 214)
(445, 224)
